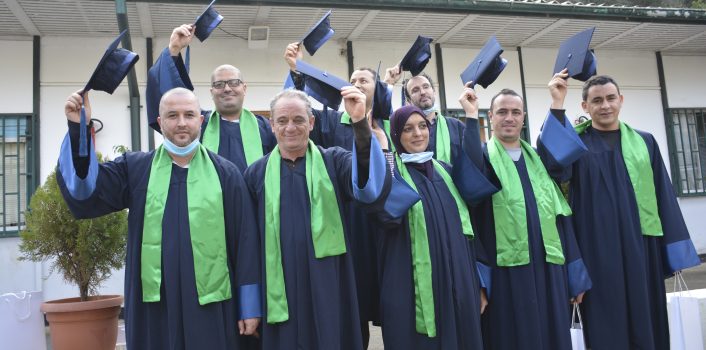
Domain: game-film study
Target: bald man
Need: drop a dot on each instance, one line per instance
(230, 130)
(192, 279)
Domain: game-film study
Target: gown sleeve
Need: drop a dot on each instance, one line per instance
(90, 189)
(369, 172)
(167, 73)
(243, 221)
(468, 167)
(578, 278)
(679, 250)
(558, 171)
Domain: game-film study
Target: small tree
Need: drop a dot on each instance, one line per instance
(84, 251)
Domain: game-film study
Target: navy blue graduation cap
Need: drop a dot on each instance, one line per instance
(418, 56)
(109, 73)
(562, 141)
(487, 66)
(322, 86)
(112, 68)
(318, 35)
(207, 22)
(575, 55)
(382, 100)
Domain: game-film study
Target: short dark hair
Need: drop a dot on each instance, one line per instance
(597, 80)
(404, 84)
(510, 92)
(372, 71)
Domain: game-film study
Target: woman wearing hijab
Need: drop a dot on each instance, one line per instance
(430, 284)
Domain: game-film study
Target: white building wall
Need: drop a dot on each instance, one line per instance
(685, 77)
(16, 92)
(66, 64)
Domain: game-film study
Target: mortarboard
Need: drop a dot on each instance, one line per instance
(487, 66)
(562, 141)
(109, 73)
(318, 35)
(322, 86)
(207, 22)
(575, 55)
(418, 56)
(382, 100)
(112, 68)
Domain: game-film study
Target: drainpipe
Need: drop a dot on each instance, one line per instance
(440, 78)
(150, 58)
(121, 13)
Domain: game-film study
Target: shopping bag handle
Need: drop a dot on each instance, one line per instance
(576, 311)
(680, 283)
(26, 296)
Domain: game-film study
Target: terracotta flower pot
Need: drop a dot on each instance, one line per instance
(83, 325)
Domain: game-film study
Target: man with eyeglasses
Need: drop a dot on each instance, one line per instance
(446, 133)
(239, 135)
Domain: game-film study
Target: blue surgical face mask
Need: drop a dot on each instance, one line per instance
(420, 157)
(180, 151)
(429, 110)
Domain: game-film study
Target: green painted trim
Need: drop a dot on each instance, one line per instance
(136, 140)
(490, 7)
(439, 59)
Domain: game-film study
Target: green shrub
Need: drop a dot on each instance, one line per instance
(85, 252)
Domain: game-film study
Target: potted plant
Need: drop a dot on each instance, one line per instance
(85, 252)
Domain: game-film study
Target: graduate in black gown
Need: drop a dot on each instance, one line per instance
(300, 189)
(192, 278)
(430, 277)
(239, 136)
(536, 264)
(333, 128)
(631, 237)
(446, 133)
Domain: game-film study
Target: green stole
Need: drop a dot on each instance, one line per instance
(421, 260)
(346, 119)
(443, 139)
(326, 224)
(249, 133)
(509, 211)
(637, 161)
(206, 227)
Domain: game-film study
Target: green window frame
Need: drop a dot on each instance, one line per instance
(687, 150)
(17, 170)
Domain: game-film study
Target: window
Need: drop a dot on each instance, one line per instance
(688, 154)
(16, 170)
(484, 123)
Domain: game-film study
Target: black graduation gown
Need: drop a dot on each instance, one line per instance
(330, 132)
(626, 307)
(170, 72)
(458, 271)
(528, 305)
(321, 293)
(456, 129)
(177, 321)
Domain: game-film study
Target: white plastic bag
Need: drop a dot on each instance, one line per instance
(21, 322)
(577, 340)
(684, 317)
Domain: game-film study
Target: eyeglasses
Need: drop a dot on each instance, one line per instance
(221, 84)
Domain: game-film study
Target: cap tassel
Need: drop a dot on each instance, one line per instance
(476, 74)
(82, 144)
(187, 60)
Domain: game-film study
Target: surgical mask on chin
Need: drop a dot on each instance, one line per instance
(429, 110)
(180, 151)
(420, 157)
